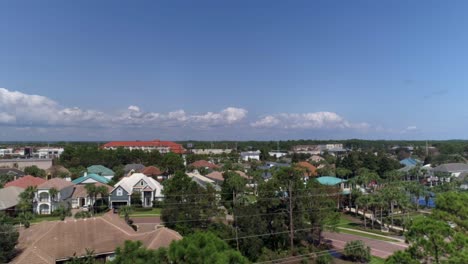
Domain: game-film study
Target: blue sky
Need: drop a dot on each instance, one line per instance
(237, 70)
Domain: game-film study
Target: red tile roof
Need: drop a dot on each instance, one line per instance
(26, 181)
(151, 171)
(204, 164)
(308, 169)
(174, 147)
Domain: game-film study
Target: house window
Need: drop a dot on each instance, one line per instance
(119, 192)
(142, 183)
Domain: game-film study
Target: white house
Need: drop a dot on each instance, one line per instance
(148, 188)
(47, 153)
(277, 154)
(46, 202)
(250, 155)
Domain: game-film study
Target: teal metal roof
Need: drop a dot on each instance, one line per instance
(100, 170)
(95, 177)
(329, 180)
(410, 162)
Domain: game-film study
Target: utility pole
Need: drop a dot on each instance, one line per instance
(291, 222)
(234, 217)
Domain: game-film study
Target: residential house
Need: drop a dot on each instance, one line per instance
(218, 177)
(453, 169)
(334, 181)
(26, 181)
(277, 154)
(154, 172)
(203, 164)
(409, 162)
(91, 178)
(59, 241)
(81, 198)
(148, 189)
(316, 159)
(161, 146)
(101, 170)
(9, 199)
(308, 169)
(203, 181)
(15, 173)
(57, 171)
(134, 167)
(250, 155)
(45, 202)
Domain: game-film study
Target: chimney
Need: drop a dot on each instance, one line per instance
(85, 173)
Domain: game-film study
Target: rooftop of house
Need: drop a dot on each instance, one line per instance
(48, 242)
(136, 167)
(330, 180)
(100, 170)
(95, 177)
(410, 162)
(309, 169)
(56, 183)
(11, 171)
(451, 167)
(127, 183)
(80, 190)
(9, 197)
(26, 181)
(151, 171)
(204, 164)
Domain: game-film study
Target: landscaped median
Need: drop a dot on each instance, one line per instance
(367, 234)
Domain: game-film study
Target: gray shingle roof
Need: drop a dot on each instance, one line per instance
(9, 197)
(452, 167)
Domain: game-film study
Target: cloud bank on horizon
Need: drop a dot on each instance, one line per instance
(40, 117)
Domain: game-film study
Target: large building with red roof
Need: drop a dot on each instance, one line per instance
(161, 146)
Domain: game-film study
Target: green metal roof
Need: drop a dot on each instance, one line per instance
(100, 170)
(330, 180)
(95, 177)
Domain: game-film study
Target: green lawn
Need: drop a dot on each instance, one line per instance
(377, 260)
(357, 233)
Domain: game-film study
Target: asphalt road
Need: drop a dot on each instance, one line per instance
(379, 248)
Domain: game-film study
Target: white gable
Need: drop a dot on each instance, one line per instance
(129, 182)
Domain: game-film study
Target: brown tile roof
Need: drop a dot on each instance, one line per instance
(309, 169)
(80, 189)
(151, 171)
(26, 181)
(56, 183)
(204, 164)
(61, 239)
(215, 175)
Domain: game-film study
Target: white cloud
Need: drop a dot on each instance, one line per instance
(22, 110)
(315, 120)
(410, 129)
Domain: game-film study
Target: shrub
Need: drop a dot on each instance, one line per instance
(357, 251)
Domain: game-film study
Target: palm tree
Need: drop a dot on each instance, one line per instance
(91, 191)
(126, 211)
(25, 218)
(53, 194)
(364, 202)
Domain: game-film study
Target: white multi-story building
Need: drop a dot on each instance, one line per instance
(6, 151)
(47, 153)
(250, 155)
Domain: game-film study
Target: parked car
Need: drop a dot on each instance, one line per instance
(85, 208)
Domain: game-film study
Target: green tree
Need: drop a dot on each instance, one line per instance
(401, 257)
(357, 251)
(232, 187)
(25, 218)
(8, 240)
(364, 202)
(35, 171)
(92, 192)
(429, 238)
(172, 162)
